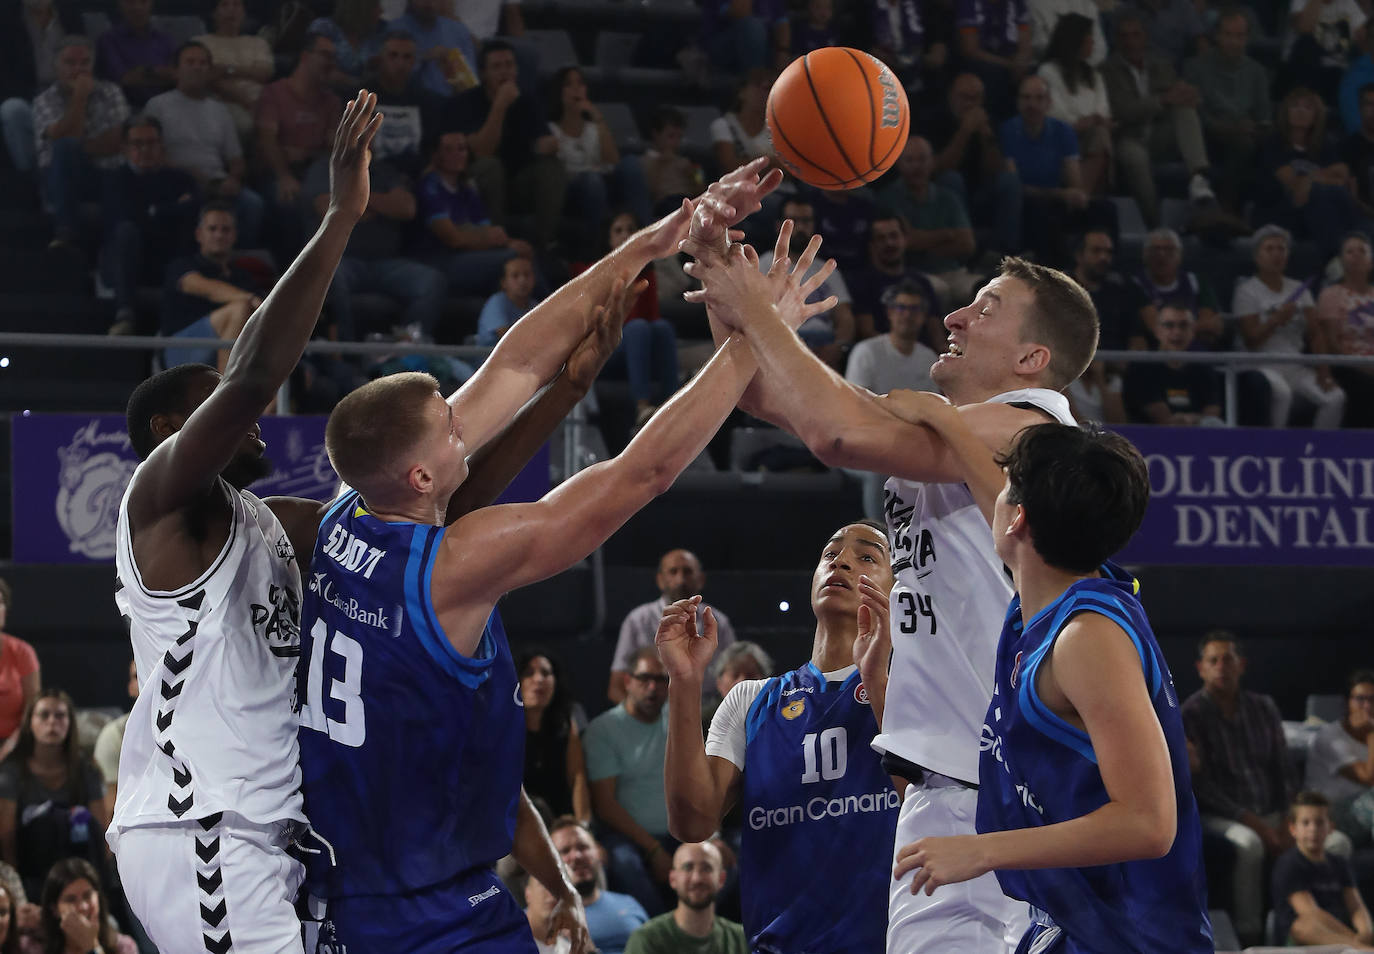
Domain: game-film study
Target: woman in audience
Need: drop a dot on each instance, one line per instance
(1346, 310)
(1275, 314)
(647, 355)
(1340, 762)
(554, 766)
(1078, 96)
(76, 917)
(742, 133)
(459, 238)
(20, 677)
(9, 916)
(242, 63)
(735, 663)
(52, 802)
(596, 171)
(1304, 184)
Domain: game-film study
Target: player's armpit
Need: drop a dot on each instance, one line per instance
(300, 518)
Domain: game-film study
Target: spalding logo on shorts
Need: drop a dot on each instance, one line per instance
(90, 486)
(892, 110)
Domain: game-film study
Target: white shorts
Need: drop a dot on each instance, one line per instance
(226, 886)
(973, 917)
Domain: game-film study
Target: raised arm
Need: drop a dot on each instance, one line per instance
(531, 352)
(493, 551)
(493, 467)
(185, 466)
(845, 425)
(700, 789)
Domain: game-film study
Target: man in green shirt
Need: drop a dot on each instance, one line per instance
(697, 876)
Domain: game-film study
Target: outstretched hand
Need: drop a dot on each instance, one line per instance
(873, 645)
(608, 320)
(728, 201)
(349, 189)
(685, 652)
(738, 293)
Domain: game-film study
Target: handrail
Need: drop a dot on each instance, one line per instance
(34, 339)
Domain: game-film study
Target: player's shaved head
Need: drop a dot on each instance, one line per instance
(375, 430)
(165, 393)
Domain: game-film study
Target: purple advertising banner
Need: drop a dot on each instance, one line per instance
(1256, 497)
(70, 472)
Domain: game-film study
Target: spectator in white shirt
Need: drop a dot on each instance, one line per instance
(1275, 315)
(679, 576)
(1340, 762)
(1078, 96)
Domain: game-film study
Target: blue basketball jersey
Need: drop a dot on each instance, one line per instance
(820, 815)
(1036, 769)
(411, 753)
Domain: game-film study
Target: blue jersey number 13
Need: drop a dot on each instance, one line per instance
(352, 730)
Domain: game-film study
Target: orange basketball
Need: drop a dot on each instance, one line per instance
(839, 118)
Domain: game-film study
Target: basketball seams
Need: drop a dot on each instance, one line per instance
(792, 147)
(806, 113)
(900, 139)
(820, 111)
(872, 110)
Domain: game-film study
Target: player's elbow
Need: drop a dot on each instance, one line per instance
(688, 823)
(1155, 832)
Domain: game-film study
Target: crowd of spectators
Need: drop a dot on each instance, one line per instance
(1256, 779)
(1041, 127)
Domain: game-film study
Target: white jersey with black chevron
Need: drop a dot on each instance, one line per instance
(948, 603)
(214, 726)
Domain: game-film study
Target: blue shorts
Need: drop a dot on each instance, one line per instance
(472, 912)
(1044, 939)
(201, 328)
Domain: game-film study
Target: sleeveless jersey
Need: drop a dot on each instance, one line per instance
(412, 753)
(947, 604)
(1036, 769)
(819, 813)
(213, 729)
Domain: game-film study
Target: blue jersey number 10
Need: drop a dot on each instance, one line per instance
(827, 759)
(348, 688)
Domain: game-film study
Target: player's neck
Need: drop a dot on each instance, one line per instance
(1317, 857)
(1040, 584)
(833, 647)
(418, 511)
(693, 922)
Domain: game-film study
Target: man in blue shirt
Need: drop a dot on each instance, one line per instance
(1043, 151)
(448, 55)
(611, 917)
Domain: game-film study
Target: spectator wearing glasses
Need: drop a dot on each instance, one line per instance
(1340, 762)
(1176, 394)
(149, 211)
(625, 751)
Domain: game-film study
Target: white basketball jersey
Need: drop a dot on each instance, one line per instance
(948, 605)
(214, 726)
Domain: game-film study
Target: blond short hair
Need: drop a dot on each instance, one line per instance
(376, 425)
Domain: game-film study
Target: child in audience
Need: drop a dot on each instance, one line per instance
(1314, 892)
